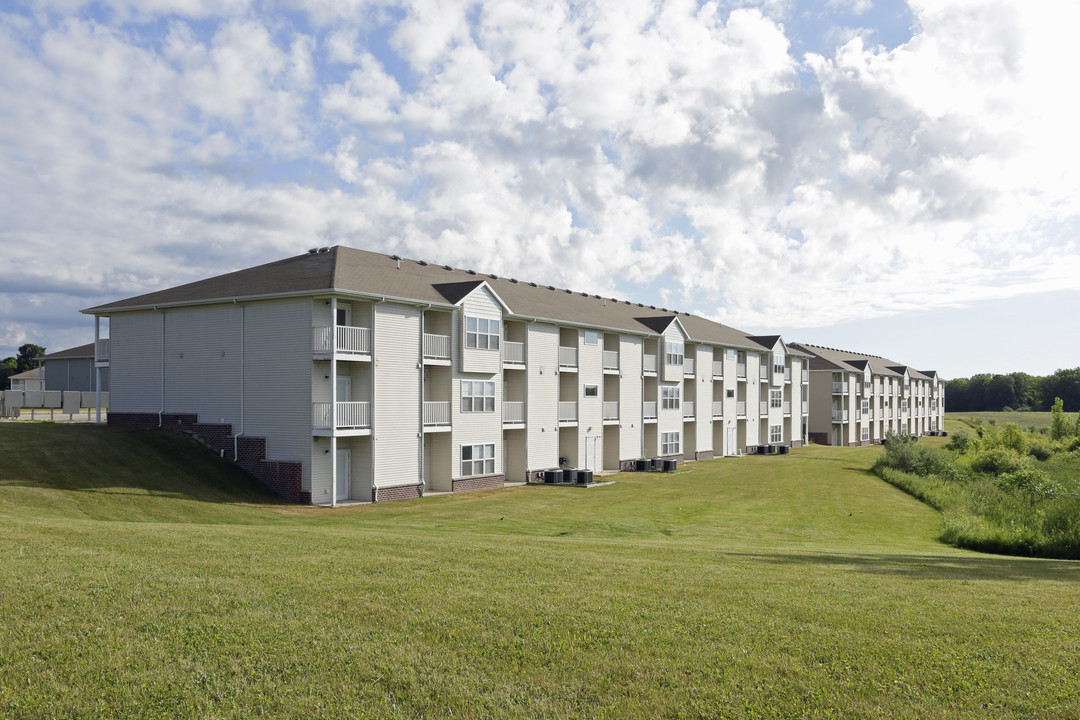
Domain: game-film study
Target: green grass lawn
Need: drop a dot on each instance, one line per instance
(1024, 420)
(141, 578)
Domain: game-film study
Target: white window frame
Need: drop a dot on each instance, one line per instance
(592, 337)
(477, 460)
(673, 352)
(591, 391)
(670, 397)
(477, 396)
(730, 393)
(776, 398)
(776, 433)
(865, 434)
(865, 406)
(670, 443)
(481, 333)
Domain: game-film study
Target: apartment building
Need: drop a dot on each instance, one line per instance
(346, 375)
(857, 399)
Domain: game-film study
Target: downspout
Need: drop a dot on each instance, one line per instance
(236, 437)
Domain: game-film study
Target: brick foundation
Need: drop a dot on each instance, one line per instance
(704, 455)
(401, 492)
(680, 459)
(489, 482)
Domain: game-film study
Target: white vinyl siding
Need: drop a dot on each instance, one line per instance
(481, 305)
(704, 400)
(202, 362)
(397, 394)
(542, 407)
(630, 419)
(135, 364)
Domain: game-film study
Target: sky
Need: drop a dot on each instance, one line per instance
(899, 179)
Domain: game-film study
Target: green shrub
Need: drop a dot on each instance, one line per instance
(960, 442)
(1059, 424)
(904, 454)
(1040, 451)
(998, 461)
(1035, 484)
(1012, 438)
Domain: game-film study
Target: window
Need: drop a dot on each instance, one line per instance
(776, 398)
(669, 398)
(865, 434)
(776, 433)
(778, 363)
(477, 396)
(730, 393)
(866, 406)
(481, 333)
(477, 460)
(731, 353)
(673, 353)
(592, 337)
(592, 391)
(669, 443)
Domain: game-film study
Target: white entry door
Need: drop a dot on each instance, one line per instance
(730, 442)
(590, 452)
(344, 477)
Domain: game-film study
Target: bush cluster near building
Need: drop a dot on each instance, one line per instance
(1000, 489)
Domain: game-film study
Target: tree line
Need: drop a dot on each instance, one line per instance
(25, 360)
(1015, 391)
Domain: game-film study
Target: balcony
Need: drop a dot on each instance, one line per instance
(436, 347)
(787, 407)
(568, 412)
(611, 412)
(688, 410)
(839, 416)
(763, 408)
(805, 407)
(436, 414)
(343, 340)
(649, 410)
(740, 409)
(347, 415)
(787, 375)
(568, 358)
(718, 368)
(104, 348)
(513, 413)
(740, 371)
(650, 364)
(839, 388)
(611, 361)
(513, 353)
(805, 376)
(688, 367)
(718, 408)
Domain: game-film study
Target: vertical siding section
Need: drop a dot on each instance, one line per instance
(703, 407)
(277, 401)
(670, 420)
(397, 395)
(590, 410)
(202, 362)
(476, 428)
(630, 409)
(542, 407)
(136, 362)
(479, 304)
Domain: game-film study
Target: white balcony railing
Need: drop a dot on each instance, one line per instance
(688, 408)
(787, 375)
(718, 408)
(513, 352)
(437, 347)
(611, 410)
(568, 411)
(787, 407)
(649, 409)
(513, 412)
(718, 368)
(805, 407)
(567, 357)
(611, 359)
(763, 407)
(436, 413)
(688, 366)
(341, 338)
(740, 408)
(805, 376)
(740, 371)
(650, 363)
(839, 388)
(346, 415)
(103, 349)
(839, 415)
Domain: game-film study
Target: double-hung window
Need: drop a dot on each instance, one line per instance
(481, 333)
(865, 434)
(673, 353)
(477, 460)
(776, 398)
(670, 444)
(669, 398)
(477, 396)
(776, 433)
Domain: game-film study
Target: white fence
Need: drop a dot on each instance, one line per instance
(67, 402)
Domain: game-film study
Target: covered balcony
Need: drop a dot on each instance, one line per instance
(513, 413)
(568, 359)
(436, 416)
(346, 342)
(649, 410)
(436, 349)
(688, 411)
(332, 418)
(568, 412)
(718, 409)
(513, 353)
(611, 361)
(611, 412)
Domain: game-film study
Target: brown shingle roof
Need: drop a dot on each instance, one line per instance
(83, 351)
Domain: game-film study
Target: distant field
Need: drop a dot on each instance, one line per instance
(143, 579)
(1023, 419)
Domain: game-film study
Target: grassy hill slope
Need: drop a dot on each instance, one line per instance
(144, 579)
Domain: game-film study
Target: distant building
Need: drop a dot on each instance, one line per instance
(72, 369)
(29, 381)
(350, 375)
